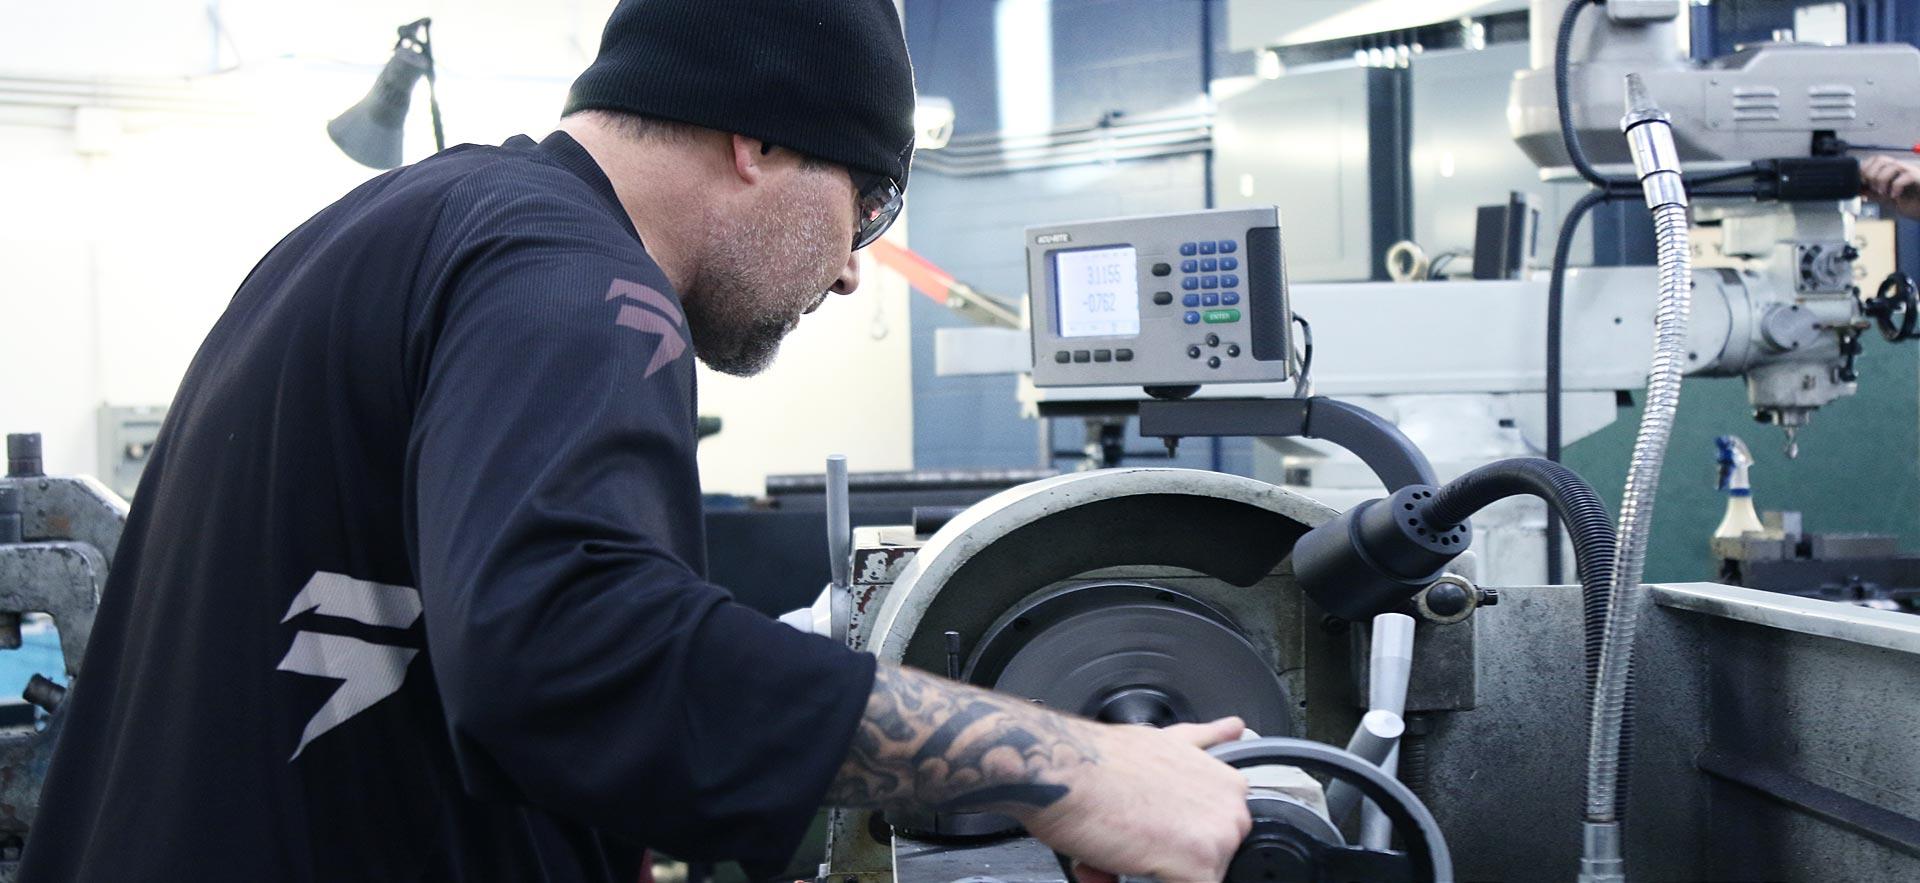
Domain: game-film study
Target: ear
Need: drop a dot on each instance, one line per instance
(749, 158)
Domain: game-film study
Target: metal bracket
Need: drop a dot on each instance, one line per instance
(1380, 444)
(63, 580)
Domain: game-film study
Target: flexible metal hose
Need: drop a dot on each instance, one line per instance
(1636, 506)
(1656, 160)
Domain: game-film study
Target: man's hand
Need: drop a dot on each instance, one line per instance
(1122, 799)
(1892, 182)
(1157, 805)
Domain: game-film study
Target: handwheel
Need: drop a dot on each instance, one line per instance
(1895, 307)
(1283, 847)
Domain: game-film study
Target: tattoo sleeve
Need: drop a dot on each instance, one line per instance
(930, 743)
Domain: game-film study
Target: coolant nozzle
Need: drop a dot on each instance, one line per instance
(1650, 139)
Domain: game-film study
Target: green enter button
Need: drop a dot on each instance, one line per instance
(1215, 317)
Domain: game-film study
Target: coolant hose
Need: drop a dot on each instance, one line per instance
(1573, 500)
(1655, 158)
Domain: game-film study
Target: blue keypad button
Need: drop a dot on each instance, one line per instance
(1208, 265)
(1210, 300)
(1190, 283)
(1227, 246)
(1189, 265)
(1229, 281)
(1191, 300)
(1209, 282)
(1229, 263)
(1191, 318)
(1188, 248)
(1229, 298)
(1206, 248)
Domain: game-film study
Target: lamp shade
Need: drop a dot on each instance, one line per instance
(370, 132)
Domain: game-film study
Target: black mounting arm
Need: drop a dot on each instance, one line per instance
(1379, 444)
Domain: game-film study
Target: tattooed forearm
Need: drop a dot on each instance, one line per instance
(930, 743)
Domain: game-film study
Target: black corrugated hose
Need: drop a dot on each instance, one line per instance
(1567, 494)
(1570, 497)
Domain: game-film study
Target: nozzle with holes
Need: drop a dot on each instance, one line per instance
(1377, 555)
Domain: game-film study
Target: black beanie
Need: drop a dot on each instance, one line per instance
(828, 78)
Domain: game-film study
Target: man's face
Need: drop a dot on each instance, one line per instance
(774, 258)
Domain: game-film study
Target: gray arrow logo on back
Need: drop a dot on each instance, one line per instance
(367, 672)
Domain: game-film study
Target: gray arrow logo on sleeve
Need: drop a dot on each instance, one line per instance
(367, 672)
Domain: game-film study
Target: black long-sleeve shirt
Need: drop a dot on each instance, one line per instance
(412, 587)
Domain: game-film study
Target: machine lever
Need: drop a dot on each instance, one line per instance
(839, 547)
(1389, 668)
(1372, 741)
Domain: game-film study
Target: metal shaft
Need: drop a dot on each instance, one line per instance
(839, 550)
(1374, 739)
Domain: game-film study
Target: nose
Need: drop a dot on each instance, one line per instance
(849, 275)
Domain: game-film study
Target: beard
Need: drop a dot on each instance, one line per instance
(762, 273)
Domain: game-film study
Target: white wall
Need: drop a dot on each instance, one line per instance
(181, 152)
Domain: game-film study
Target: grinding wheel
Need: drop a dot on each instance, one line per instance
(1132, 653)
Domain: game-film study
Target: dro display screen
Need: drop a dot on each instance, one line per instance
(1097, 292)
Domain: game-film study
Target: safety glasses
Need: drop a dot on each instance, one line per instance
(876, 205)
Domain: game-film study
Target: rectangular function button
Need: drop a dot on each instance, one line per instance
(1103, 355)
(1215, 317)
(1082, 356)
(1123, 355)
(1062, 356)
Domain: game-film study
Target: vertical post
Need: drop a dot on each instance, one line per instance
(839, 546)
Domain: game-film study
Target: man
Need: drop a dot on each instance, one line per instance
(1891, 182)
(412, 587)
